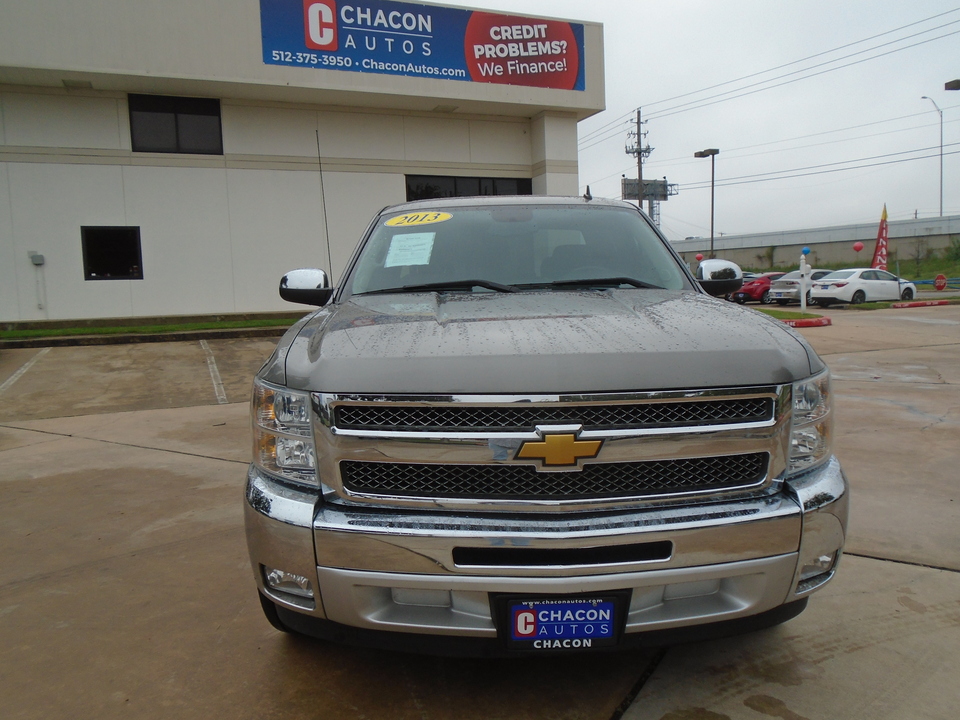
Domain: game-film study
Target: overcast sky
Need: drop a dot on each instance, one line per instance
(866, 113)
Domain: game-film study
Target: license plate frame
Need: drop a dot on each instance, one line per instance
(571, 631)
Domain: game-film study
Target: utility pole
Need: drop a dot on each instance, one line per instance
(641, 152)
(639, 162)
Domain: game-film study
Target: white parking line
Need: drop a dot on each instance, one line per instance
(214, 373)
(19, 373)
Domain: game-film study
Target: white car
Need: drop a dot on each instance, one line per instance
(859, 285)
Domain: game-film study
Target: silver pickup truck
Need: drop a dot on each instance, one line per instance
(520, 425)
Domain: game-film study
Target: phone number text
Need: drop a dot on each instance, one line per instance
(311, 59)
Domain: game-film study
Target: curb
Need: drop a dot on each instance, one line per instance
(122, 338)
(809, 322)
(920, 303)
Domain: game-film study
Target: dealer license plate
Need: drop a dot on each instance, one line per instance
(562, 624)
(778, 295)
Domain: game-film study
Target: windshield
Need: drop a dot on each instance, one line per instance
(838, 275)
(513, 247)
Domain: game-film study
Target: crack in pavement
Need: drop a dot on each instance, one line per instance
(903, 562)
(123, 444)
(638, 685)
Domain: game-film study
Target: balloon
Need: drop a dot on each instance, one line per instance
(699, 257)
(858, 246)
(806, 251)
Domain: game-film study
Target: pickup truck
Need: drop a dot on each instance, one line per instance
(521, 425)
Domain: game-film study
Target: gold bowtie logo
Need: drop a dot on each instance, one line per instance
(559, 450)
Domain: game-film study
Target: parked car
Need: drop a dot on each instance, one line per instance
(787, 288)
(520, 425)
(859, 285)
(757, 289)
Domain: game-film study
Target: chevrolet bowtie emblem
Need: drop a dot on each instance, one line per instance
(559, 450)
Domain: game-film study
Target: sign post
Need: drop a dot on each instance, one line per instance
(804, 274)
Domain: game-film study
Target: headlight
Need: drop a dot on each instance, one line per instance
(811, 433)
(282, 439)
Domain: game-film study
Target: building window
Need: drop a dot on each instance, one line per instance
(175, 124)
(111, 253)
(426, 187)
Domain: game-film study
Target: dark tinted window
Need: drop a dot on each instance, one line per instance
(175, 124)
(111, 253)
(428, 187)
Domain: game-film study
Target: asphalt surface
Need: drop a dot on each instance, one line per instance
(126, 591)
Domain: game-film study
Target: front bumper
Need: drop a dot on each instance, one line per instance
(392, 570)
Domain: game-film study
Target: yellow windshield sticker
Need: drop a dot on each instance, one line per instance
(421, 218)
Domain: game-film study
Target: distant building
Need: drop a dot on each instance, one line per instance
(908, 239)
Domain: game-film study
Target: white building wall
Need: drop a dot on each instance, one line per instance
(276, 224)
(217, 232)
(49, 203)
(10, 307)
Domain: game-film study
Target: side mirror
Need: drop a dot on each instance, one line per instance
(307, 286)
(719, 277)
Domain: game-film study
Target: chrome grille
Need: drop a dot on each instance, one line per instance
(524, 482)
(520, 418)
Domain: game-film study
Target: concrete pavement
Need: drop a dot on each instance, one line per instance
(125, 589)
(880, 641)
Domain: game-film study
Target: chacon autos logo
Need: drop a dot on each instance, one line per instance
(320, 24)
(559, 449)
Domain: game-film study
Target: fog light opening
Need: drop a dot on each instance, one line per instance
(817, 572)
(819, 566)
(287, 582)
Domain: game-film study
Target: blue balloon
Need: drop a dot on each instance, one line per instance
(806, 251)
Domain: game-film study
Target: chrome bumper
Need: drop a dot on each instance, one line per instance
(395, 570)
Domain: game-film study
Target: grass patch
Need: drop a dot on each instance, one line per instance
(787, 314)
(143, 329)
(872, 305)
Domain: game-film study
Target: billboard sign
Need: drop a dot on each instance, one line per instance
(431, 41)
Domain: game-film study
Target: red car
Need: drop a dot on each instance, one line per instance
(757, 289)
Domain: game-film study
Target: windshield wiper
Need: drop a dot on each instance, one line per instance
(451, 285)
(605, 282)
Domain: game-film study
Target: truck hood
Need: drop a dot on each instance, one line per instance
(550, 342)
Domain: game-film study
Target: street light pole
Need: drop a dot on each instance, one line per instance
(710, 153)
(941, 148)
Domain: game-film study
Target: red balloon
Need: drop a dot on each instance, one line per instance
(699, 257)
(858, 246)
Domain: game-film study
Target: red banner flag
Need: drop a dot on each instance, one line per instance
(880, 253)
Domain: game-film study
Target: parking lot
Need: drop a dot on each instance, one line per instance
(125, 589)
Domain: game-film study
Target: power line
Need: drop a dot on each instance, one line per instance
(727, 153)
(716, 99)
(760, 177)
(608, 131)
(732, 152)
(809, 57)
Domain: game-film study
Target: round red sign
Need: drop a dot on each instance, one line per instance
(940, 282)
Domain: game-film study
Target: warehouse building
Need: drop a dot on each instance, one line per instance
(908, 241)
(176, 158)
